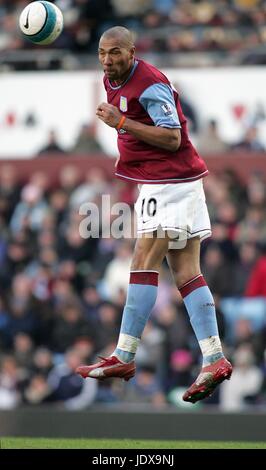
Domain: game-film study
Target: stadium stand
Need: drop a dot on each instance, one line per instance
(187, 32)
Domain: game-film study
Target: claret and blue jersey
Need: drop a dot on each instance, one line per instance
(148, 97)
(158, 101)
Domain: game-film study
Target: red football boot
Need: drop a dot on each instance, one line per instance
(208, 379)
(108, 367)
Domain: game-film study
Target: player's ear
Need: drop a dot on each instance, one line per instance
(132, 51)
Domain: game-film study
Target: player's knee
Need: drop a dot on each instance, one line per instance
(142, 264)
(143, 261)
(149, 254)
(138, 261)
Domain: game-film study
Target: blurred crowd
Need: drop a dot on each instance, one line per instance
(62, 296)
(160, 26)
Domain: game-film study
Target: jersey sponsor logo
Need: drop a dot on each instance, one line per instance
(167, 109)
(123, 104)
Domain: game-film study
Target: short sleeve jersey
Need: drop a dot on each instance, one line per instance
(148, 97)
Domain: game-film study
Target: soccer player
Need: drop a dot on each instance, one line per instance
(172, 217)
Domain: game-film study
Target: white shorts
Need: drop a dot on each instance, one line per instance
(180, 209)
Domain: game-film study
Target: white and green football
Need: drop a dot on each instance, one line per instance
(41, 22)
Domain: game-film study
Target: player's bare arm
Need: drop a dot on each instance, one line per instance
(161, 137)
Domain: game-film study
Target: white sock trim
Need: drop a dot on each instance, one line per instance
(211, 345)
(144, 271)
(191, 280)
(128, 343)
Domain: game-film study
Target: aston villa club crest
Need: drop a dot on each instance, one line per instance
(123, 104)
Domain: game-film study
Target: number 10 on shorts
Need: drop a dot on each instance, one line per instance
(148, 208)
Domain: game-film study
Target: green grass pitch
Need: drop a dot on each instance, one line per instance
(45, 443)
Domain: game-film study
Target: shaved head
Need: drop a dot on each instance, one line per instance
(122, 35)
(116, 53)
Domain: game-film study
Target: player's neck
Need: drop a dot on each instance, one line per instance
(125, 76)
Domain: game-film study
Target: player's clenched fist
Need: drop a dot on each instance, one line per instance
(108, 114)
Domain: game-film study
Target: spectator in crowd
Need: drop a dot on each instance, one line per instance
(180, 374)
(217, 271)
(42, 361)
(209, 142)
(95, 185)
(173, 322)
(69, 325)
(261, 397)
(30, 211)
(243, 267)
(245, 383)
(9, 191)
(9, 383)
(86, 142)
(151, 348)
(23, 348)
(23, 317)
(256, 285)
(107, 325)
(67, 389)
(250, 141)
(69, 177)
(37, 391)
(256, 190)
(117, 272)
(252, 227)
(58, 201)
(145, 387)
(52, 147)
(244, 333)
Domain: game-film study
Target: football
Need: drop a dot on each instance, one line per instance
(41, 22)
